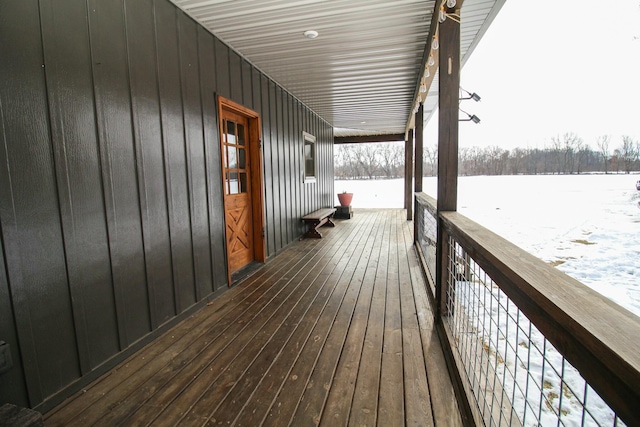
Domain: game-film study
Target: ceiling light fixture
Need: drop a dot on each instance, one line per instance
(431, 61)
(310, 34)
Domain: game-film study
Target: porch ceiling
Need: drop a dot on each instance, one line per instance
(361, 73)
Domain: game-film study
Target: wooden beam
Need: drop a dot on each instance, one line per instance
(433, 27)
(419, 148)
(369, 138)
(449, 98)
(408, 175)
(448, 95)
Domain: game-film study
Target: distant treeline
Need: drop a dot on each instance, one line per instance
(567, 154)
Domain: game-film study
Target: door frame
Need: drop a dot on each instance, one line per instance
(256, 180)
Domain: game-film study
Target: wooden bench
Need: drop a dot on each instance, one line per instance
(317, 219)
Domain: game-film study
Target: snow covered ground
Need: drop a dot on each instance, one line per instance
(586, 225)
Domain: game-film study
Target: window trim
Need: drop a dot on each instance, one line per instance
(307, 138)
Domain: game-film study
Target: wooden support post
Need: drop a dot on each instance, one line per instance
(408, 175)
(449, 84)
(419, 123)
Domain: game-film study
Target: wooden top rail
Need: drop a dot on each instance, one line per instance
(429, 202)
(597, 336)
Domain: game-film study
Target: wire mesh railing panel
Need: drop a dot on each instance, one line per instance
(427, 235)
(515, 374)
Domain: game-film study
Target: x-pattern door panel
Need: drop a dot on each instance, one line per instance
(237, 186)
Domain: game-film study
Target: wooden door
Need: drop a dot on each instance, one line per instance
(235, 149)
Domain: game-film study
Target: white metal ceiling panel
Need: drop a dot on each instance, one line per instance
(360, 72)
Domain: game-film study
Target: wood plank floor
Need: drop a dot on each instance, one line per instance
(334, 332)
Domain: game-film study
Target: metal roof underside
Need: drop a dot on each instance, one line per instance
(360, 74)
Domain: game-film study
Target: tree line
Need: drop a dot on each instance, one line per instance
(566, 154)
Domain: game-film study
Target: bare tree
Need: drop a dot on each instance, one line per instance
(431, 158)
(581, 153)
(628, 153)
(391, 158)
(566, 154)
(603, 148)
(516, 160)
(366, 159)
(556, 154)
(497, 160)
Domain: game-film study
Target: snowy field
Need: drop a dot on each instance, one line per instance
(586, 225)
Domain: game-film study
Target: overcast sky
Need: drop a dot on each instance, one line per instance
(545, 68)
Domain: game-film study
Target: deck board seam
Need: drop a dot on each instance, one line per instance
(310, 285)
(346, 399)
(377, 336)
(265, 288)
(371, 241)
(310, 330)
(355, 244)
(308, 257)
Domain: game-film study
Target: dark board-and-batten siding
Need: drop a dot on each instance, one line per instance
(111, 211)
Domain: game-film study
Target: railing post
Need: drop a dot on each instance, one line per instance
(419, 123)
(448, 90)
(408, 175)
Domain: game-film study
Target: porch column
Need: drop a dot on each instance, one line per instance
(419, 122)
(449, 83)
(408, 175)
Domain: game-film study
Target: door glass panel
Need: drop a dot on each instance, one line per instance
(224, 131)
(232, 161)
(240, 134)
(243, 183)
(231, 132)
(242, 158)
(225, 158)
(234, 188)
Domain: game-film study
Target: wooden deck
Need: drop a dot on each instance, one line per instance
(334, 331)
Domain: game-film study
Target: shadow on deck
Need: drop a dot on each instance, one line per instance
(333, 331)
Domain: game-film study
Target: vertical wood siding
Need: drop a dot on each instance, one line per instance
(111, 212)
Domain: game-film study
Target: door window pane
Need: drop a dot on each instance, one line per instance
(243, 183)
(232, 160)
(234, 188)
(241, 136)
(225, 124)
(231, 132)
(242, 158)
(225, 158)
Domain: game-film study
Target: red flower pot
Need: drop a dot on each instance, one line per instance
(345, 199)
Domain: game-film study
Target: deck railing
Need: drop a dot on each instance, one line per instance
(531, 345)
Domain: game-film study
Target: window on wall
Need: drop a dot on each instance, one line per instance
(309, 154)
